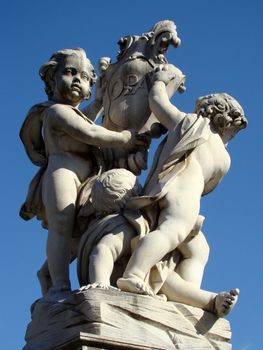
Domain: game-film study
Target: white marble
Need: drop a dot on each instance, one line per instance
(141, 240)
(109, 318)
(63, 141)
(190, 163)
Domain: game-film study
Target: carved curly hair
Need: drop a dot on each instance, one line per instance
(47, 70)
(222, 109)
(112, 190)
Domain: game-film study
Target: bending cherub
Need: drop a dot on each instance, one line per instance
(105, 248)
(189, 163)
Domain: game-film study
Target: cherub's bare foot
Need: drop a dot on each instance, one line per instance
(134, 285)
(225, 301)
(99, 285)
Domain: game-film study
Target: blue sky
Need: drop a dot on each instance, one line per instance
(221, 51)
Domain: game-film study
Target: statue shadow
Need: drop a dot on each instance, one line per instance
(205, 323)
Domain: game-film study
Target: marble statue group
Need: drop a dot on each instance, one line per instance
(145, 240)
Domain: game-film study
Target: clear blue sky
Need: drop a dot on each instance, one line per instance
(221, 51)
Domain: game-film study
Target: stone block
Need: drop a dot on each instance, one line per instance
(109, 319)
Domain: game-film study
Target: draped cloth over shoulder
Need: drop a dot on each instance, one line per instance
(32, 138)
(31, 134)
(170, 160)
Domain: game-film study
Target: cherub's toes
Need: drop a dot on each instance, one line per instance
(229, 300)
(226, 305)
(235, 291)
(225, 301)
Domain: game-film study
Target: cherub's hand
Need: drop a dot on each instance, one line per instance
(162, 73)
(132, 139)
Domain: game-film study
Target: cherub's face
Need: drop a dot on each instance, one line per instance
(232, 125)
(71, 81)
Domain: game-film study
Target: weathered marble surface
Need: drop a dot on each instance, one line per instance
(74, 153)
(109, 319)
(145, 242)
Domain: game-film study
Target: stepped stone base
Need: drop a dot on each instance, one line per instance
(109, 319)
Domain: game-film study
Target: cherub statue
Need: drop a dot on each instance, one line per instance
(105, 248)
(189, 163)
(67, 153)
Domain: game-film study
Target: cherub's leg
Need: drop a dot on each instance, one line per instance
(195, 252)
(44, 278)
(110, 248)
(179, 211)
(177, 289)
(59, 197)
(43, 274)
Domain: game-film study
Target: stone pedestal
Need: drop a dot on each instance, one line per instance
(109, 319)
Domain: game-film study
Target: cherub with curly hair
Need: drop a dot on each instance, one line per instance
(63, 141)
(107, 239)
(189, 163)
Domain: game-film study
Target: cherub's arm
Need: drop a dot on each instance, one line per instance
(63, 118)
(159, 102)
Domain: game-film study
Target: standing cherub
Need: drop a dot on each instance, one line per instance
(60, 138)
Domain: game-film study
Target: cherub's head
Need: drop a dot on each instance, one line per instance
(68, 76)
(224, 111)
(112, 190)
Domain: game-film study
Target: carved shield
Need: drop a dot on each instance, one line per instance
(125, 100)
(126, 84)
